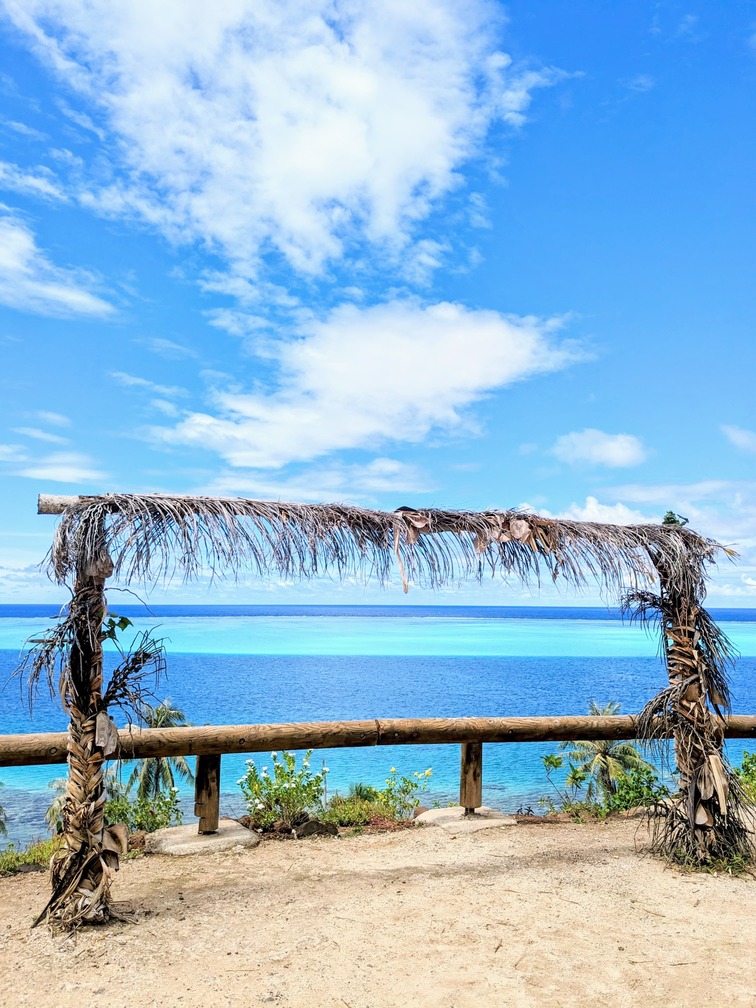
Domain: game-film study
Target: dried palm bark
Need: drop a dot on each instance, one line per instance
(704, 823)
(155, 537)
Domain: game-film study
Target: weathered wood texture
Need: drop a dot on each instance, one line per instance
(471, 776)
(139, 743)
(207, 793)
(55, 503)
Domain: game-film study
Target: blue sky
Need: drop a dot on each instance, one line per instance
(440, 254)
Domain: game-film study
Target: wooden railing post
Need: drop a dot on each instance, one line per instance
(207, 793)
(471, 777)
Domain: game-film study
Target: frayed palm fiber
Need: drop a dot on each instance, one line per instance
(154, 537)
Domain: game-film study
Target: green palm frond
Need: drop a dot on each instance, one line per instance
(155, 774)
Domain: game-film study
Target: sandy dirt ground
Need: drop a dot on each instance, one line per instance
(530, 915)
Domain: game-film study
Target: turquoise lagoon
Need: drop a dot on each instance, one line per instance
(246, 664)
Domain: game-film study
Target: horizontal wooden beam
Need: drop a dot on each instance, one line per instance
(214, 740)
(55, 503)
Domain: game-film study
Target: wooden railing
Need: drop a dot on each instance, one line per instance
(209, 742)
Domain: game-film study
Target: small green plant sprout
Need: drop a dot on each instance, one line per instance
(282, 797)
(3, 819)
(400, 793)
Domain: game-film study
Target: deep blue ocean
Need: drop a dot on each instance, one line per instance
(247, 664)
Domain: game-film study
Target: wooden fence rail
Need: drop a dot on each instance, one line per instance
(209, 742)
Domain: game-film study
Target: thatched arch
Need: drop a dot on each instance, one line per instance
(660, 569)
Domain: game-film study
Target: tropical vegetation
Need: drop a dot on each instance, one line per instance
(614, 774)
(155, 775)
(282, 795)
(604, 761)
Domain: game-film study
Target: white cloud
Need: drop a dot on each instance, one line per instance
(11, 453)
(612, 514)
(133, 381)
(360, 377)
(166, 348)
(63, 467)
(56, 419)
(40, 435)
(326, 483)
(740, 437)
(30, 282)
(218, 108)
(724, 510)
(595, 447)
(38, 182)
(640, 83)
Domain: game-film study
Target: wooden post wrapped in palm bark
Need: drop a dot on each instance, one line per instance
(84, 864)
(703, 824)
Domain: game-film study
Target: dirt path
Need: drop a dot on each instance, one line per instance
(532, 915)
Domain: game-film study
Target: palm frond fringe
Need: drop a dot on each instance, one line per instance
(155, 537)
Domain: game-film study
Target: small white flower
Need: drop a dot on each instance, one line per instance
(325, 769)
(273, 755)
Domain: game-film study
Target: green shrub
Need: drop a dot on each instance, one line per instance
(351, 811)
(637, 787)
(400, 793)
(12, 859)
(148, 814)
(747, 775)
(284, 797)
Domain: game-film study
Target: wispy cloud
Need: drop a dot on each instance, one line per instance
(11, 453)
(326, 483)
(166, 348)
(740, 437)
(30, 282)
(361, 377)
(56, 419)
(597, 448)
(217, 113)
(640, 83)
(63, 467)
(40, 435)
(39, 182)
(134, 381)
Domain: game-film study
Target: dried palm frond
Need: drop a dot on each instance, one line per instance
(153, 537)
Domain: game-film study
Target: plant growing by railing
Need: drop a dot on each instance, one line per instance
(603, 762)
(148, 813)
(155, 775)
(746, 775)
(3, 819)
(400, 793)
(282, 798)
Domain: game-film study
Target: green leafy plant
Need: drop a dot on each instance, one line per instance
(14, 859)
(285, 796)
(637, 788)
(354, 811)
(148, 814)
(603, 761)
(400, 793)
(746, 774)
(567, 800)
